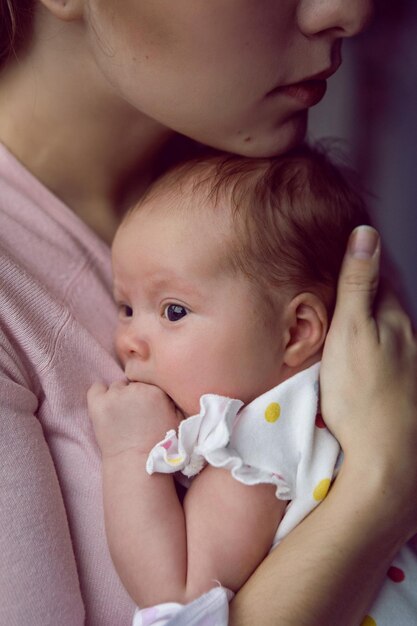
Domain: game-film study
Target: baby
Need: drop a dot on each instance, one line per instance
(224, 276)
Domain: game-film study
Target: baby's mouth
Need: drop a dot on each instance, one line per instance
(135, 379)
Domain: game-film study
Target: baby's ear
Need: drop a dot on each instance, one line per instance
(306, 328)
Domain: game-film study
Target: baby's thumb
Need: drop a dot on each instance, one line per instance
(359, 275)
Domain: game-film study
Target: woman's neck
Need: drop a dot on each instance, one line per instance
(88, 146)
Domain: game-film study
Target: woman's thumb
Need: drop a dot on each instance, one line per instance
(358, 279)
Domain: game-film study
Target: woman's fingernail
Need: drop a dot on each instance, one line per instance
(363, 242)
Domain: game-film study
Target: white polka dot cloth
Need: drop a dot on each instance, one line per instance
(281, 439)
(278, 438)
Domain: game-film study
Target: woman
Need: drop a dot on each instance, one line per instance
(90, 96)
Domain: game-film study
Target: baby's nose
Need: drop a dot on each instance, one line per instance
(131, 344)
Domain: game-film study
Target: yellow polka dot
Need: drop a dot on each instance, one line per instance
(272, 412)
(175, 460)
(368, 621)
(321, 489)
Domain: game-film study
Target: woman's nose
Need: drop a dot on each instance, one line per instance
(343, 17)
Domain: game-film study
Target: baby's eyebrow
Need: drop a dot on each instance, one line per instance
(172, 282)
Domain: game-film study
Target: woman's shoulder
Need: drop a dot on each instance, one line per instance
(45, 249)
(55, 276)
(41, 232)
(72, 323)
(55, 279)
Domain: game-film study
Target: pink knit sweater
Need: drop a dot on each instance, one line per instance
(56, 326)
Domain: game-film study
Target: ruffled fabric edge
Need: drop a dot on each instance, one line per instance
(204, 438)
(208, 430)
(227, 458)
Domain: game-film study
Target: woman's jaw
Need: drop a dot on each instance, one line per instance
(238, 76)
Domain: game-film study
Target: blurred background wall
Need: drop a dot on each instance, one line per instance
(371, 105)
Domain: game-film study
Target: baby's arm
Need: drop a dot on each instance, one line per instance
(230, 529)
(162, 551)
(143, 517)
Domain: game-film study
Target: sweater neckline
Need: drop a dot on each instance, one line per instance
(21, 178)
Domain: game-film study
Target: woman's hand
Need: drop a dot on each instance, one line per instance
(369, 380)
(340, 553)
(130, 415)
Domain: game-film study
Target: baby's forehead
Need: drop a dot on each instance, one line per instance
(181, 214)
(187, 188)
(188, 199)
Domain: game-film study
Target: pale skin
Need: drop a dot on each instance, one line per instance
(188, 324)
(64, 86)
(138, 59)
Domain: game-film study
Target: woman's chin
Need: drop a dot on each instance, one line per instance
(273, 141)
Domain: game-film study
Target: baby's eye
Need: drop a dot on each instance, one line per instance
(174, 312)
(125, 310)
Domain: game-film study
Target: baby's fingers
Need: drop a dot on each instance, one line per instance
(99, 389)
(96, 391)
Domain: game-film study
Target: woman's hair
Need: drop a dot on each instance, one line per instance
(292, 215)
(15, 21)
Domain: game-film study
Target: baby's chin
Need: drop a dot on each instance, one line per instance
(180, 409)
(186, 407)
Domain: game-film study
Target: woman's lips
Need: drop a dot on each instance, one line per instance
(308, 93)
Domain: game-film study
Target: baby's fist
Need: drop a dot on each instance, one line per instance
(130, 415)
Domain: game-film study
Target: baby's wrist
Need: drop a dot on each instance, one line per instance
(130, 454)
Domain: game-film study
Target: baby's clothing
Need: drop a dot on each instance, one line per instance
(280, 439)
(276, 439)
(210, 609)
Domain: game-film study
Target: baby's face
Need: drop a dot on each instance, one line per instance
(187, 322)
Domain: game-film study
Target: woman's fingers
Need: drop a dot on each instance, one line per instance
(368, 378)
(390, 314)
(359, 275)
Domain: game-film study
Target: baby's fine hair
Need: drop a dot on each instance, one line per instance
(292, 215)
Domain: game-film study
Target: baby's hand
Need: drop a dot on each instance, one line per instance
(130, 415)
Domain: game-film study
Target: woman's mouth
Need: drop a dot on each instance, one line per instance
(308, 92)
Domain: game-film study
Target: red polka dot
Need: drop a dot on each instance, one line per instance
(167, 444)
(320, 421)
(396, 574)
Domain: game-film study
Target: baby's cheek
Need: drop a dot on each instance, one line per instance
(192, 379)
(190, 404)
(187, 397)
(118, 348)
